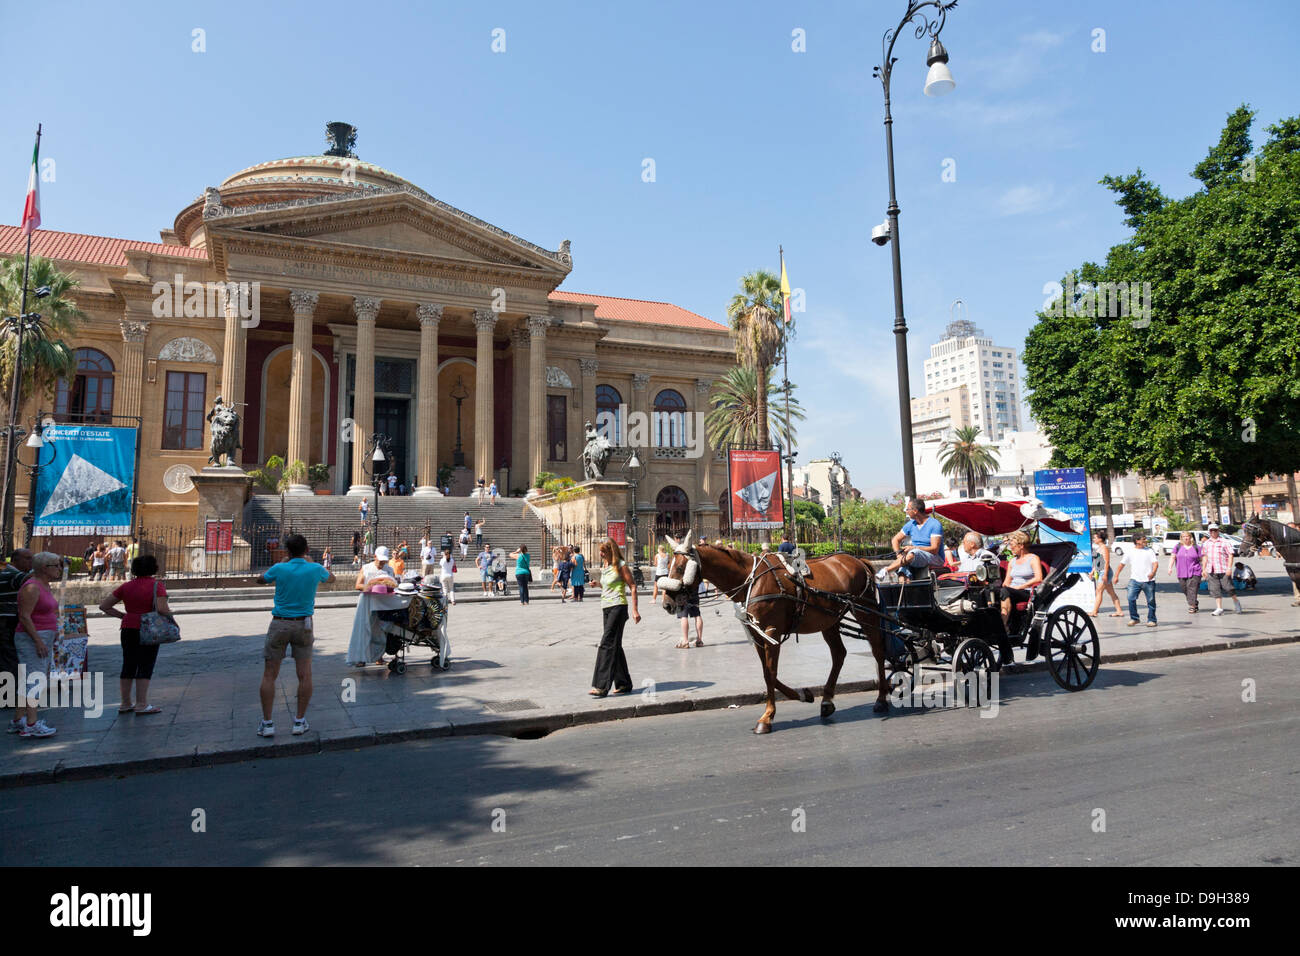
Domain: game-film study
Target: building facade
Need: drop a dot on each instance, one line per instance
(965, 356)
(328, 299)
(936, 417)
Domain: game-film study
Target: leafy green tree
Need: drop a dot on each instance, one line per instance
(46, 357)
(734, 410)
(963, 455)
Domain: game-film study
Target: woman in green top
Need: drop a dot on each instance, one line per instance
(616, 584)
(523, 571)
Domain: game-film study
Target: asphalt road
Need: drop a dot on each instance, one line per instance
(1185, 771)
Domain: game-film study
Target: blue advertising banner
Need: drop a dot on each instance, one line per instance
(1066, 489)
(89, 487)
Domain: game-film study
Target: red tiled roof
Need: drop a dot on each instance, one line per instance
(77, 247)
(640, 310)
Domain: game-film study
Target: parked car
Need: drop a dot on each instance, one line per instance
(1123, 545)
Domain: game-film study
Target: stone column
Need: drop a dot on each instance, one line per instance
(519, 411)
(132, 377)
(704, 491)
(641, 405)
(588, 368)
(537, 393)
(363, 405)
(426, 465)
(234, 356)
(300, 417)
(485, 321)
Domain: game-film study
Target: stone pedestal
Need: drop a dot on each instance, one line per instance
(222, 493)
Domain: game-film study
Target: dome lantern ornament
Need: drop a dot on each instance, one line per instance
(342, 138)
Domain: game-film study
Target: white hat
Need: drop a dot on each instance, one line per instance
(406, 587)
(381, 553)
(1213, 526)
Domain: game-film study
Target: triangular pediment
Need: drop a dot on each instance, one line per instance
(397, 223)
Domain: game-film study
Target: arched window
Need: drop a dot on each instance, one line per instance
(672, 512)
(609, 413)
(669, 420)
(88, 398)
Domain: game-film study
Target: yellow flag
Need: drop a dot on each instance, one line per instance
(785, 291)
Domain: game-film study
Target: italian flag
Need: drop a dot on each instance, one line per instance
(785, 289)
(32, 208)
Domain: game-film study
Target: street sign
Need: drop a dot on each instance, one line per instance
(616, 531)
(218, 536)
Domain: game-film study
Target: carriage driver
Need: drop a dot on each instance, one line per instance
(926, 547)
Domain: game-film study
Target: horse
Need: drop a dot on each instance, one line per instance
(777, 605)
(1285, 541)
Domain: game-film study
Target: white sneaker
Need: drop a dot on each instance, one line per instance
(266, 728)
(882, 574)
(38, 729)
(1217, 612)
(300, 726)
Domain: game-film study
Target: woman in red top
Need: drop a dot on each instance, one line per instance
(137, 596)
(38, 626)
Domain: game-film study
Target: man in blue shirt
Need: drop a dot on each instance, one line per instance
(296, 579)
(924, 541)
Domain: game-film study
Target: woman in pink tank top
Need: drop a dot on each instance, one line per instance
(38, 625)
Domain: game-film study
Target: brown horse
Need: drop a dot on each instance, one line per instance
(777, 607)
(1285, 541)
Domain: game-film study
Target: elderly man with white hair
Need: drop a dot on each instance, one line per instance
(971, 554)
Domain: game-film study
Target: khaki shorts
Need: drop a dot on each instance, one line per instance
(294, 634)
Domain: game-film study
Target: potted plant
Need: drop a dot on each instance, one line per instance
(318, 475)
(539, 483)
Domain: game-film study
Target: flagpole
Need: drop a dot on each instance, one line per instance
(6, 531)
(785, 364)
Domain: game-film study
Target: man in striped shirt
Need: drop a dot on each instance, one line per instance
(1216, 560)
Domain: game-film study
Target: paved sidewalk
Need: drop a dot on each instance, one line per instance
(515, 669)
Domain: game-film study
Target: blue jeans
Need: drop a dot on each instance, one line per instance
(1149, 589)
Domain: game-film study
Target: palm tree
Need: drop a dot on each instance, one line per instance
(755, 316)
(963, 455)
(46, 358)
(733, 414)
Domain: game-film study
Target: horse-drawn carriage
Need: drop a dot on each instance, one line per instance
(953, 621)
(934, 620)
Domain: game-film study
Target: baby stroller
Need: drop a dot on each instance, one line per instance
(422, 623)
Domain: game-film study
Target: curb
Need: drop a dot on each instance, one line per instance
(526, 727)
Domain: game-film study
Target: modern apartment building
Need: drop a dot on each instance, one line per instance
(990, 372)
(936, 416)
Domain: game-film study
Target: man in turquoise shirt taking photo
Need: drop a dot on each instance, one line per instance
(296, 579)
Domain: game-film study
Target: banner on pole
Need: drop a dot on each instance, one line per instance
(219, 536)
(616, 531)
(754, 485)
(1066, 489)
(89, 487)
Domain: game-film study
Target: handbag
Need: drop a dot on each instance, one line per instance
(158, 628)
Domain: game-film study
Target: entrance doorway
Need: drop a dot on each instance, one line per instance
(392, 418)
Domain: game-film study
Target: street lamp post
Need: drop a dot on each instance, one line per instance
(380, 455)
(634, 471)
(836, 475)
(39, 443)
(937, 82)
(19, 324)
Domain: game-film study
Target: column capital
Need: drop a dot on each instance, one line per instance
(429, 314)
(640, 381)
(588, 367)
(365, 307)
(537, 325)
(134, 332)
(485, 320)
(702, 385)
(301, 300)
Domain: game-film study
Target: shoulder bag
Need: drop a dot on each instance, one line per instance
(158, 628)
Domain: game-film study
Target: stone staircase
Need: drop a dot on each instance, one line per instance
(330, 520)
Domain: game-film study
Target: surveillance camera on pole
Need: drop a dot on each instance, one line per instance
(880, 233)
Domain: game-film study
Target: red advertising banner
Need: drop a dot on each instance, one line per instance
(754, 480)
(218, 536)
(616, 531)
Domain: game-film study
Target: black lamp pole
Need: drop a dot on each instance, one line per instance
(34, 470)
(928, 23)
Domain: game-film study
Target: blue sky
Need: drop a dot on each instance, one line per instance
(754, 144)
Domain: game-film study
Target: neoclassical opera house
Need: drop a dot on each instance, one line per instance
(379, 304)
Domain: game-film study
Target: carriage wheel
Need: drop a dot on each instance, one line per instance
(399, 667)
(973, 654)
(1073, 651)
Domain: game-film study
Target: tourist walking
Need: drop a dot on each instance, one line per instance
(1216, 559)
(478, 534)
(447, 576)
(12, 577)
(99, 562)
(579, 576)
(661, 570)
(616, 588)
(464, 543)
(688, 607)
(1143, 565)
(38, 626)
(356, 547)
(1185, 563)
(523, 571)
(563, 571)
(296, 580)
(1104, 575)
(426, 558)
(492, 491)
(117, 562)
(480, 490)
(142, 594)
(363, 509)
(484, 564)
